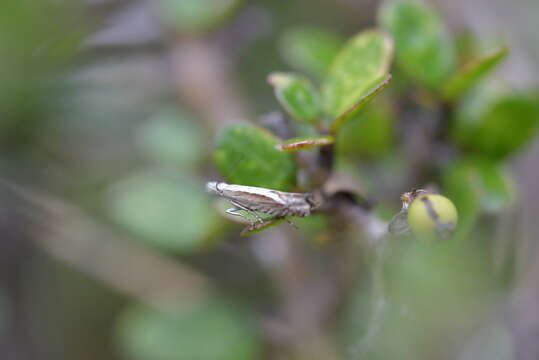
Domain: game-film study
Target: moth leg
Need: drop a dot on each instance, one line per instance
(235, 211)
(291, 223)
(241, 207)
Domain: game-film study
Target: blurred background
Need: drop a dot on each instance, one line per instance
(111, 249)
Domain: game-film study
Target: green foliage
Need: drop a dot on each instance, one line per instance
(196, 16)
(170, 137)
(163, 210)
(474, 71)
(213, 330)
(477, 186)
(297, 96)
(33, 48)
(305, 143)
(310, 49)
(496, 124)
(359, 105)
(370, 133)
(424, 49)
(358, 68)
(246, 155)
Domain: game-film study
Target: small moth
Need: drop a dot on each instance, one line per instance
(272, 202)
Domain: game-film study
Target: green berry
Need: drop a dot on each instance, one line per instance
(432, 215)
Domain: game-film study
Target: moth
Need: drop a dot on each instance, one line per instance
(256, 199)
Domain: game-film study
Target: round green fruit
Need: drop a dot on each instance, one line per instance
(432, 215)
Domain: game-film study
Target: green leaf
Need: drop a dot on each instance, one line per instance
(163, 210)
(171, 137)
(297, 95)
(424, 49)
(310, 49)
(477, 186)
(356, 70)
(246, 155)
(358, 105)
(370, 133)
(196, 16)
(496, 125)
(212, 330)
(305, 143)
(474, 71)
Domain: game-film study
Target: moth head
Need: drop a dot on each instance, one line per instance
(314, 200)
(212, 187)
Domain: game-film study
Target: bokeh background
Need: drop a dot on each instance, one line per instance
(109, 246)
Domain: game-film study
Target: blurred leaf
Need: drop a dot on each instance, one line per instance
(358, 105)
(163, 210)
(310, 49)
(357, 70)
(171, 137)
(370, 133)
(193, 16)
(246, 155)
(297, 96)
(476, 186)
(495, 125)
(207, 331)
(424, 49)
(474, 71)
(305, 143)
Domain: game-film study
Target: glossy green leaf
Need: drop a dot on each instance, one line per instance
(471, 73)
(370, 133)
(196, 16)
(163, 210)
(424, 49)
(171, 137)
(310, 49)
(358, 69)
(212, 330)
(297, 95)
(359, 105)
(496, 125)
(305, 143)
(246, 155)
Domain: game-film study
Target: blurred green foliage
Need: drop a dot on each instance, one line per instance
(443, 121)
(210, 330)
(495, 123)
(310, 49)
(33, 48)
(370, 133)
(189, 16)
(164, 209)
(472, 72)
(424, 49)
(170, 137)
